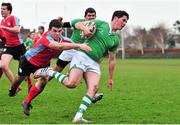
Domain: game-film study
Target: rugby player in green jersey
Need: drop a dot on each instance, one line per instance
(86, 64)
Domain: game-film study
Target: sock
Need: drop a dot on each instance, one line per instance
(86, 101)
(50, 72)
(34, 91)
(59, 76)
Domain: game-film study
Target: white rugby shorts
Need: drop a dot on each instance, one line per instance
(82, 61)
(67, 55)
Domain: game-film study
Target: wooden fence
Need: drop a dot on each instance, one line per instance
(151, 53)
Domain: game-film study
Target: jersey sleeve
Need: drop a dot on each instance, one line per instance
(73, 22)
(44, 41)
(15, 21)
(114, 45)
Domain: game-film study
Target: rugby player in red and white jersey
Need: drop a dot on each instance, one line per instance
(14, 47)
(39, 55)
(39, 33)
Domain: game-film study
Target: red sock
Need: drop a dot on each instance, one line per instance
(29, 81)
(1, 72)
(34, 91)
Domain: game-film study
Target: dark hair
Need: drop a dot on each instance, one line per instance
(89, 10)
(41, 28)
(55, 23)
(30, 33)
(9, 6)
(120, 13)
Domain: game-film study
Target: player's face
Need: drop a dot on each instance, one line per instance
(90, 16)
(40, 31)
(56, 32)
(4, 11)
(32, 35)
(120, 22)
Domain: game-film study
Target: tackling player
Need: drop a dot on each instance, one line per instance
(47, 47)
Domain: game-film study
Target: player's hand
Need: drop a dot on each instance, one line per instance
(110, 84)
(85, 47)
(87, 32)
(59, 18)
(3, 27)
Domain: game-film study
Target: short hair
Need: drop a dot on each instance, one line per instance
(41, 28)
(8, 5)
(30, 33)
(120, 13)
(89, 10)
(55, 23)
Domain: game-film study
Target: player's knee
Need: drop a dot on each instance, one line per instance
(72, 84)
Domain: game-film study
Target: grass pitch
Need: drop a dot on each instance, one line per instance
(145, 91)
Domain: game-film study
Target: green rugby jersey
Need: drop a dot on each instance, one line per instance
(101, 45)
(101, 42)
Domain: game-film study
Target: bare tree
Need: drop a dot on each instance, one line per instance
(159, 36)
(141, 38)
(177, 26)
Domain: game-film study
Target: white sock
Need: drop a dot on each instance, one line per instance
(50, 72)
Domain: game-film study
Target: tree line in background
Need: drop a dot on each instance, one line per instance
(158, 37)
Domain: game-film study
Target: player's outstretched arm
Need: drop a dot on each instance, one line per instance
(65, 46)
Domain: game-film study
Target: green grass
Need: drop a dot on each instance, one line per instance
(144, 91)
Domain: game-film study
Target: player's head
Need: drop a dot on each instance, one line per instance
(31, 35)
(40, 30)
(55, 28)
(119, 19)
(6, 9)
(90, 14)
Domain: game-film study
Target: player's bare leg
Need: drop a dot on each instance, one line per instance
(5, 60)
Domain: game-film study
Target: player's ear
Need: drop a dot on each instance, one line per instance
(116, 18)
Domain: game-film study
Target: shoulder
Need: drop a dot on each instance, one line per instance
(99, 21)
(14, 17)
(74, 21)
